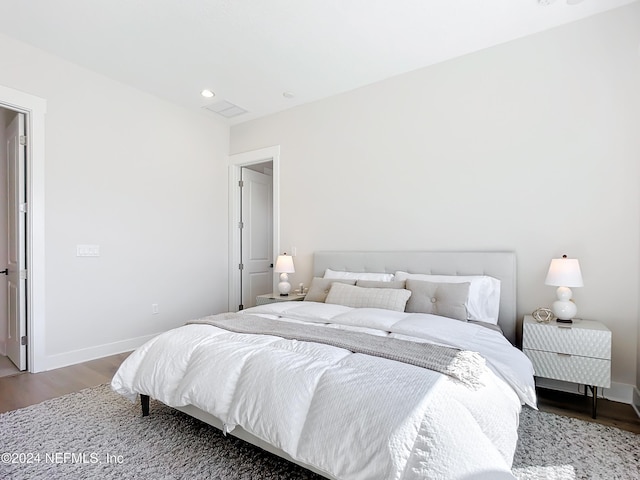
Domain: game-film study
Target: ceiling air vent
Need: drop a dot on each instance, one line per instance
(226, 109)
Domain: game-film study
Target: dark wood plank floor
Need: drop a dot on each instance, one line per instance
(28, 389)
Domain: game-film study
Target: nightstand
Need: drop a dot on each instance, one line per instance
(275, 297)
(578, 352)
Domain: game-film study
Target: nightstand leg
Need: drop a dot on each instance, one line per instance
(594, 405)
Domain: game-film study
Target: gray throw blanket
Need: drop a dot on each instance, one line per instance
(463, 365)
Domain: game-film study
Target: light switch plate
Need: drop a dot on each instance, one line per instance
(88, 250)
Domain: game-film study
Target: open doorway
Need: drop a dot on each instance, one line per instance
(256, 236)
(30, 274)
(13, 247)
(254, 224)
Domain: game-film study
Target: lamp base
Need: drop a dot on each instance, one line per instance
(560, 320)
(284, 287)
(563, 308)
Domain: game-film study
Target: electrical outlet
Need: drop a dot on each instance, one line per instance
(155, 309)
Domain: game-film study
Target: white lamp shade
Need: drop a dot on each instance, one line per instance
(284, 264)
(564, 272)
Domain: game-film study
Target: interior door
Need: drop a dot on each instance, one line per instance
(257, 236)
(16, 268)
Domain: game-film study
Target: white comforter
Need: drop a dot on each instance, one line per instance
(352, 416)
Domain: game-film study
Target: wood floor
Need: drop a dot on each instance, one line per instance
(26, 389)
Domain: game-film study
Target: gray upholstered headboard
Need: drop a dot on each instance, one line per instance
(501, 265)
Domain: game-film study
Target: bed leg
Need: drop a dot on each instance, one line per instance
(144, 401)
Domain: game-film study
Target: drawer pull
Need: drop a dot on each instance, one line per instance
(563, 354)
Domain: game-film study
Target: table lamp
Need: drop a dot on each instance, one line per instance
(284, 266)
(564, 273)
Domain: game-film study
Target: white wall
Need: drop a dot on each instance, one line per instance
(145, 180)
(531, 146)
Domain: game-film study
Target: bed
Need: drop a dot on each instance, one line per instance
(365, 379)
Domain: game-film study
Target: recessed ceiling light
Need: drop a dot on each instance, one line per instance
(288, 95)
(207, 93)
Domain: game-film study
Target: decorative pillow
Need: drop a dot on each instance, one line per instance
(444, 299)
(380, 277)
(377, 284)
(320, 288)
(483, 303)
(359, 297)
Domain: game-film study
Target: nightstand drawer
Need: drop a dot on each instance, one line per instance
(571, 368)
(573, 340)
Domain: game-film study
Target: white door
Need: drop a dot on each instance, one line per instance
(257, 235)
(16, 215)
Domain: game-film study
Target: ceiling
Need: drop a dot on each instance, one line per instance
(250, 52)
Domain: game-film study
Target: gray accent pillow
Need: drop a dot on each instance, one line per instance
(358, 297)
(320, 288)
(380, 284)
(444, 299)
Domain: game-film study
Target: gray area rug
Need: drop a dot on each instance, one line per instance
(561, 448)
(97, 434)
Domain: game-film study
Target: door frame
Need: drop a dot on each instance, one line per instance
(35, 109)
(236, 162)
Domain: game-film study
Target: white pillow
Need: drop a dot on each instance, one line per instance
(359, 297)
(483, 303)
(380, 277)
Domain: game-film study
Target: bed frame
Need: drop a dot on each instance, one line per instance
(501, 265)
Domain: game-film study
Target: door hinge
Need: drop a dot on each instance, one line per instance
(23, 139)
(241, 183)
(241, 266)
(24, 207)
(240, 307)
(240, 225)
(23, 340)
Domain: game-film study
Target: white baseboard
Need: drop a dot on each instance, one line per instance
(618, 392)
(85, 354)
